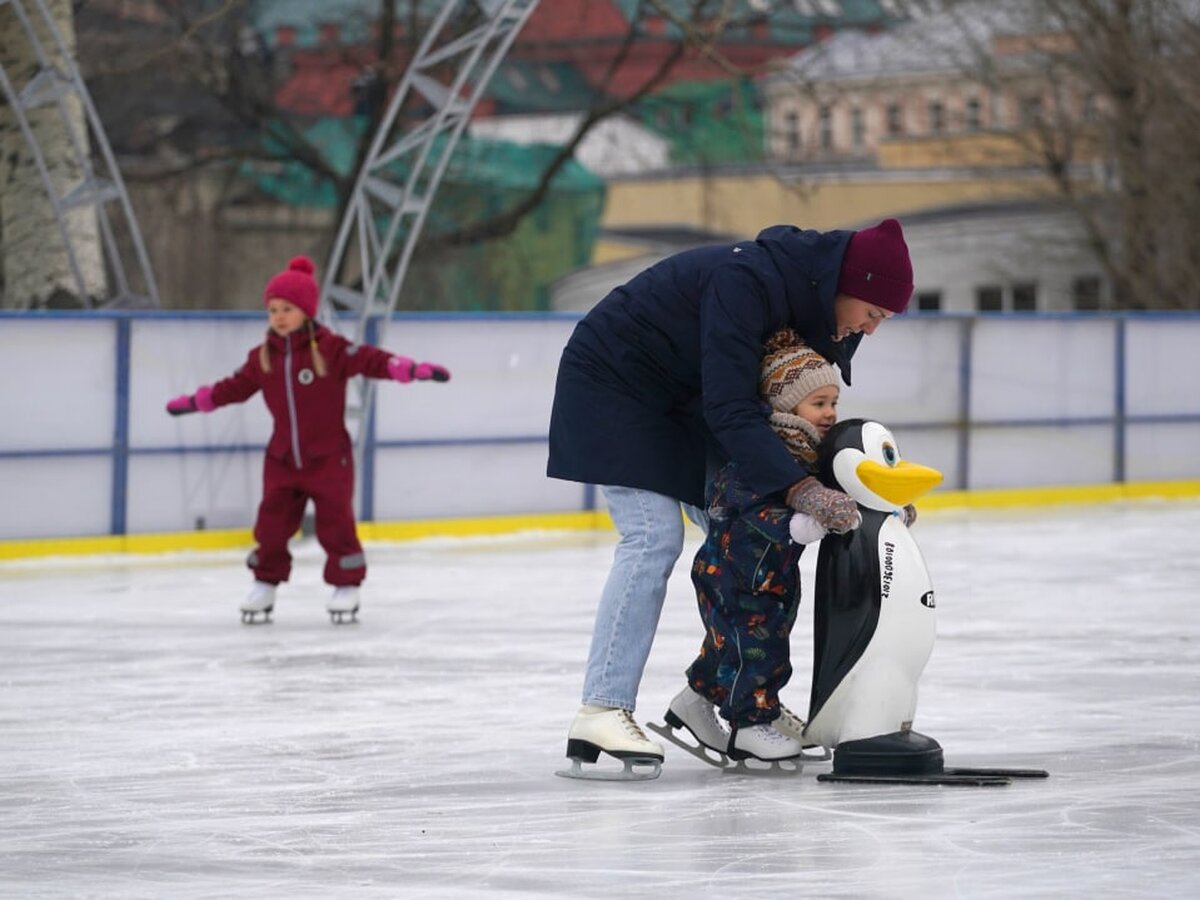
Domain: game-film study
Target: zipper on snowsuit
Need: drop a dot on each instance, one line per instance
(291, 402)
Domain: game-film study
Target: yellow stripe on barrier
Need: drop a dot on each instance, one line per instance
(571, 521)
(168, 542)
(1058, 496)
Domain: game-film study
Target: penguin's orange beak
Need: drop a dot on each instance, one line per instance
(900, 484)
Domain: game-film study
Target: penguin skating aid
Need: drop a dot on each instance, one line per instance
(874, 621)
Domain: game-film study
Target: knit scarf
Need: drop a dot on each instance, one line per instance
(800, 435)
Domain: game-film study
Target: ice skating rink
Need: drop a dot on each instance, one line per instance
(153, 746)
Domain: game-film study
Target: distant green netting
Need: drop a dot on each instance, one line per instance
(707, 122)
(483, 178)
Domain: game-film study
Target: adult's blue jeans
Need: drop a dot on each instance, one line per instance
(651, 530)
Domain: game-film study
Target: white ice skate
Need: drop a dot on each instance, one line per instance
(690, 711)
(598, 729)
(343, 605)
(259, 602)
(792, 725)
(763, 742)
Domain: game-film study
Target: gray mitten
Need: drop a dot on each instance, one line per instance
(833, 510)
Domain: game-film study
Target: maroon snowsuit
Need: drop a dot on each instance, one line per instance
(310, 454)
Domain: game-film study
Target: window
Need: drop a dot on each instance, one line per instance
(937, 117)
(989, 298)
(826, 126)
(971, 115)
(1085, 292)
(1024, 296)
(929, 301)
(1031, 111)
(895, 119)
(857, 128)
(791, 132)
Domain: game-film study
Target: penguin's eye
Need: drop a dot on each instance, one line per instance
(890, 456)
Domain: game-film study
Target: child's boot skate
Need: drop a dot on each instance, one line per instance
(763, 742)
(693, 712)
(343, 605)
(599, 729)
(792, 726)
(259, 602)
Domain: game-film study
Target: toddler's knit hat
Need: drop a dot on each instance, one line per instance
(791, 370)
(877, 268)
(296, 285)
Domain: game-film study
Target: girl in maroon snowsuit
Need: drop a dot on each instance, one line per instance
(302, 369)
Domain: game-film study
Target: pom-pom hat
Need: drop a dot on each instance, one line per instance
(791, 370)
(296, 285)
(877, 268)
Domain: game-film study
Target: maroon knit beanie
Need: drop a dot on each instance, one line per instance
(876, 267)
(296, 285)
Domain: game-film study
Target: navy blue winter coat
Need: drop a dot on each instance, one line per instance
(660, 379)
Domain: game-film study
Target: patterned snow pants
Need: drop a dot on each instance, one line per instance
(748, 591)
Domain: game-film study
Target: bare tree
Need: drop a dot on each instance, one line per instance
(233, 78)
(36, 264)
(1113, 120)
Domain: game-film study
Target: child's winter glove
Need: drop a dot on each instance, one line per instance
(804, 529)
(404, 370)
(908, 515)
(833, 510)
(201, 401)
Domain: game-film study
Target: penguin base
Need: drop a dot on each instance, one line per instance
(898, 753)
(907, 757)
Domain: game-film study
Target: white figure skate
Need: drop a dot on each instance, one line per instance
(792, 725)
(343, 605)
(691, 712)
(259, 602)
(598, 729)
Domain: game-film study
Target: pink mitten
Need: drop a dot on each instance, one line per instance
(404, 369)
(204, 399)
(181, 405)
(201, 401)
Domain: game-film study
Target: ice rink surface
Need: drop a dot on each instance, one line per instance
(153, 746)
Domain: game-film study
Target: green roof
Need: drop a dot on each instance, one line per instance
(788, 21)
(476, 162)
(530, 86)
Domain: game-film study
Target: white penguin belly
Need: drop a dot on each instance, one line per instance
(879, 693)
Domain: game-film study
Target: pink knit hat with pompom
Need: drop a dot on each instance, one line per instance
(296, 285)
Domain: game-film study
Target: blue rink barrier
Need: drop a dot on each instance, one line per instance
(997, 402)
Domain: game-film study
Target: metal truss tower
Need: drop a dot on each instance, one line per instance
(401, 174)
(100, 187)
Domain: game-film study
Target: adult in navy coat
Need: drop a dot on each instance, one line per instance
(659, 382)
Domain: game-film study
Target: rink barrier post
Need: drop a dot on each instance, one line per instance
(120, 452)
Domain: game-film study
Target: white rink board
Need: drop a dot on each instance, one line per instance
(1038, 388)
